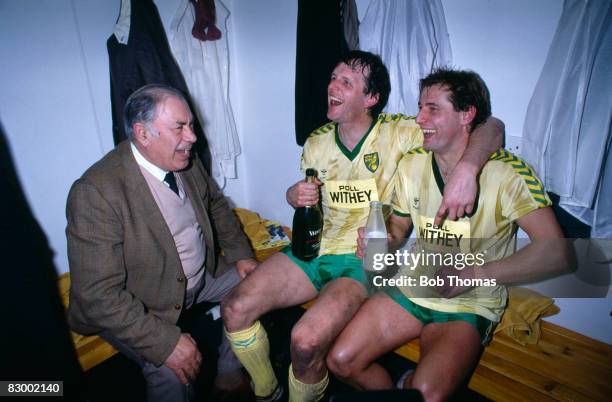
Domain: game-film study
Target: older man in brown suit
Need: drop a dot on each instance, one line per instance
(145, 224)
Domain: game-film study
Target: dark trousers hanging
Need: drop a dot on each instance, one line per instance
(320, 44)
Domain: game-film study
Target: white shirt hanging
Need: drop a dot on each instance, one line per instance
(205, 67)
(122, 27)
(566, 135)
(411, 38)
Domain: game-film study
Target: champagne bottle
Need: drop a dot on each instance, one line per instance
(307, 228)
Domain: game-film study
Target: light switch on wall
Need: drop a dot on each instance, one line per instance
(513, 144)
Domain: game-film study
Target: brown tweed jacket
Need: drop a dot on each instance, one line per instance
(125, 270)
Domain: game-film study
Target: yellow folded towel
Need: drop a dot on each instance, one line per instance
(521, 320)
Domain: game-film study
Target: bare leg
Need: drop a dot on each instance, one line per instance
(380, 326)
(449, 353)
(315, 332)
(276, 283)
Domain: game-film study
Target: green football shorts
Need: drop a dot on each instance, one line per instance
(325, 268)
(427, 316)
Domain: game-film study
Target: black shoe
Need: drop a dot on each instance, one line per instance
(275, 396)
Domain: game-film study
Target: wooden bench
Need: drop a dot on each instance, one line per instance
(91, 350)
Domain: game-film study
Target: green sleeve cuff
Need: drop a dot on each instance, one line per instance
(402, 214)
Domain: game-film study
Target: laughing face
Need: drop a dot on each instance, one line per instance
(438, 119)
(346, 100)
(166, 142)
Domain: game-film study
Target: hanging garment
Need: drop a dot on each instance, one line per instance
(144, 59)
(122, 27)
(205, 66)
(566, 135)
(350, 23)
(320, 43)
(412, 39)
(204, 27)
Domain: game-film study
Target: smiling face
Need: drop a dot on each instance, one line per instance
(440, 122)
(346, 100)
(167, 140)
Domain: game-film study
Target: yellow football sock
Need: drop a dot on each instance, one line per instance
(301, 392)
(252, 348)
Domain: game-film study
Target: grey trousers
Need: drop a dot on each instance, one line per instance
(162, 384)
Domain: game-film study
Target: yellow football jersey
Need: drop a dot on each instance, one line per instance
(508, 190)
(351, 179)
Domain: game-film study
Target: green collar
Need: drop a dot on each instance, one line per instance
(440, 183)
(352, 154)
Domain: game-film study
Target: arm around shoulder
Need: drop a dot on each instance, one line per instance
(487, 138)
(461, 189)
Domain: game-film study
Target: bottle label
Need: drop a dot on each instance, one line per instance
(351, 194)
(314, 233)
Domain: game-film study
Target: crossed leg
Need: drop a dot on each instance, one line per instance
(449, 351)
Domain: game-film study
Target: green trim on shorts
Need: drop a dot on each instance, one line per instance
(325, 268)
(427, 316)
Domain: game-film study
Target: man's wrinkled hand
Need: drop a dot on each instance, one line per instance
(246, 266)
(185, 359)
(459, 194)
(303, 194)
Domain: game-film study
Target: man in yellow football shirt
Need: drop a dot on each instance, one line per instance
(355, 156)
(452, 328)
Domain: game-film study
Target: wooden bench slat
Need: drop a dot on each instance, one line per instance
(498, 387)
(95, 353)
(553, 351)
(410, 350)
(489, 379)
(531, 379)
(590, 349)
(551, 370)
(546, 358)
(90, 350)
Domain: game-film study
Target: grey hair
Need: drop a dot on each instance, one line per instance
(141, 106)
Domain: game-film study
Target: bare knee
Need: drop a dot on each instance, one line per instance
(236, 311)
(307, 348)
(431, 390)
(341, 363)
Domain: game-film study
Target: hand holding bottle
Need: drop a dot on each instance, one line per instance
(303, 193)
(307, 221)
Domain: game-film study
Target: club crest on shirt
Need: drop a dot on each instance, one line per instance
(371, 161)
